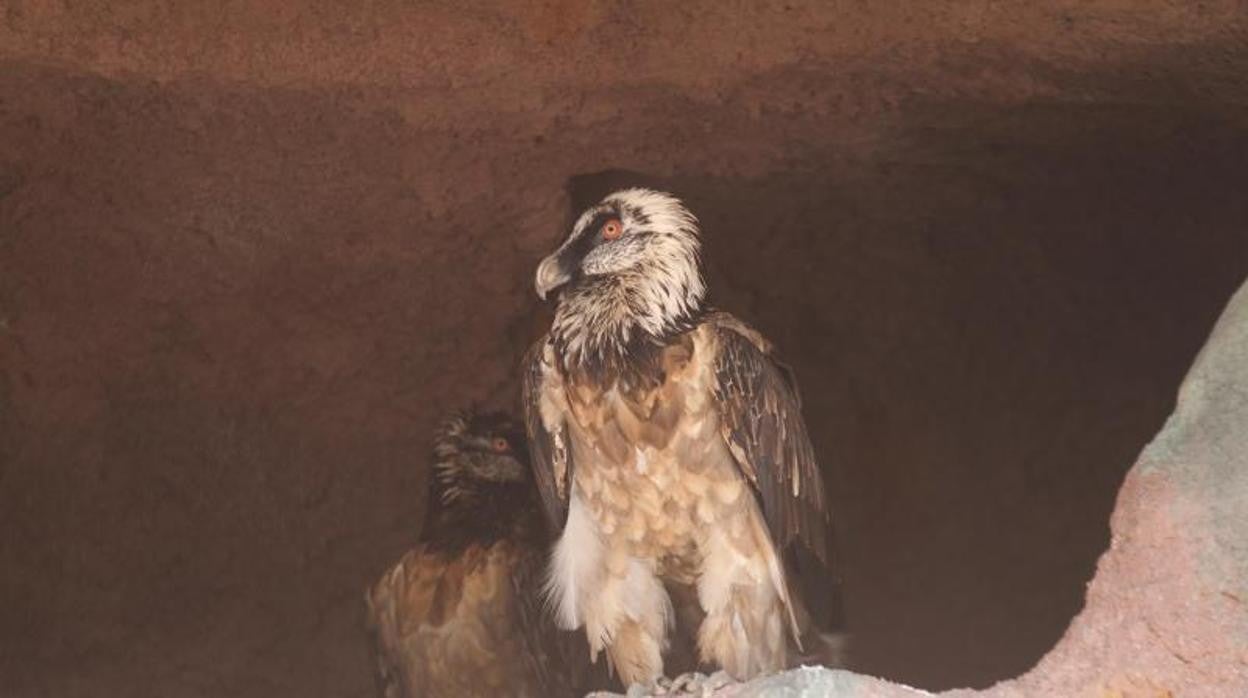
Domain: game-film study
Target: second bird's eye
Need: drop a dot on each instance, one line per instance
(612, 229)
(500, 444)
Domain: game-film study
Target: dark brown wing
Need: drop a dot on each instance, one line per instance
(763, 425)
(548, 445)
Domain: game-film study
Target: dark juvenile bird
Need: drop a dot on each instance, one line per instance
(462, 613)
(669, 447)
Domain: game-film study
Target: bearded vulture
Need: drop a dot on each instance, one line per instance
(668, 445)
(462, 613)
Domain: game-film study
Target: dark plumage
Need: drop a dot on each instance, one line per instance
(669, 447)
(461, 614)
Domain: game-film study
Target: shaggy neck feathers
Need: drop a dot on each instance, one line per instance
(609, 323)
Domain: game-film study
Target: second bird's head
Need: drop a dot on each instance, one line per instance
(478, 451)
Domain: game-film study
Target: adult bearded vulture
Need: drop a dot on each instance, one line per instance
(669, 448)
(462, 613)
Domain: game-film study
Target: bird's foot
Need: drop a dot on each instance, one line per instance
(692, 684)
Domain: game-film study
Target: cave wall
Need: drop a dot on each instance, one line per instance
(248, 257)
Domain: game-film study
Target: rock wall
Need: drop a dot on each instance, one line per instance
(249, 255)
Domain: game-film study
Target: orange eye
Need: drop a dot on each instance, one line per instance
(500, 444)
(612, 229)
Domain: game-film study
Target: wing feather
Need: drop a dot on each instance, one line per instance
(762, 423)
(547, 434)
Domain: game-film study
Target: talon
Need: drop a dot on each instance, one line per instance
(662, 686)
(695, 684)
(688, 683)
(718, 680)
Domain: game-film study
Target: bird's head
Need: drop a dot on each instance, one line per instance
(629, 271)
(474, 452)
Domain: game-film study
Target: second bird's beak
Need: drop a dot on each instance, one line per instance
(550, 276)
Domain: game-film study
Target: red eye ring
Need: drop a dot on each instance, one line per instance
(500, 445)
(612, 229)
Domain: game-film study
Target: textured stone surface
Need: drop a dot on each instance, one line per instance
(1167, 613)
(249, 254)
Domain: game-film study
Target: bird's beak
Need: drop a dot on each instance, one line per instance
(550, 276)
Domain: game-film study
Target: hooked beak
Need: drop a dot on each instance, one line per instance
(550, 276)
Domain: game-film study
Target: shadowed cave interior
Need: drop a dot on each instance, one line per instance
(231, 316)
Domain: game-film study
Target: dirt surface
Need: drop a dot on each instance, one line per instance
(249, 256)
